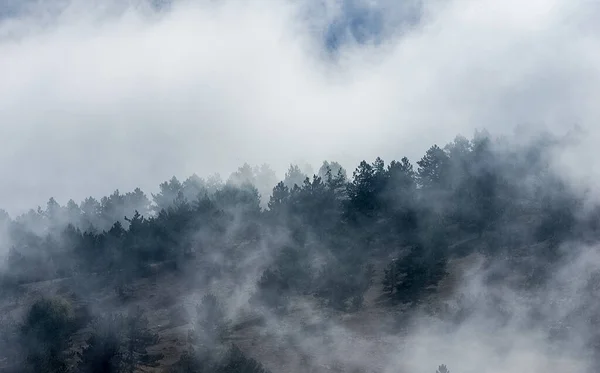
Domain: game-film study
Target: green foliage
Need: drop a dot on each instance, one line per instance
(9, 339)
(138, 338)
(45, 335)
(103, 352)
(410, 277)
(207, 350)
(279, 200)
(294, 177)
(365, 188)
(169, 190)
(119, 344)
(433, 171)
(273, 289)
(323, 231)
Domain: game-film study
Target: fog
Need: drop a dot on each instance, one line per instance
(489, 265)
(100, 96)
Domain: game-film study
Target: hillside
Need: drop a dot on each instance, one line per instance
(481, 250)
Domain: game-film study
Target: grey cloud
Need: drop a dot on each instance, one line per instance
(98, 100)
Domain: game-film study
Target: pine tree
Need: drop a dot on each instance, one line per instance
(103, 352)
(45, 334)
(442, 369)
(433, 169)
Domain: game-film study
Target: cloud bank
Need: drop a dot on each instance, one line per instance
(97, 96)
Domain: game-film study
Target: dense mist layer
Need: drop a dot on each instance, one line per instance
(100, 95)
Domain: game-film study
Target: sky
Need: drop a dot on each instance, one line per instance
(99, 95)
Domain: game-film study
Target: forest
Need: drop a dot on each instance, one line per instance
(71, 274)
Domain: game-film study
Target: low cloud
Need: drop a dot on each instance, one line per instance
(96, 97)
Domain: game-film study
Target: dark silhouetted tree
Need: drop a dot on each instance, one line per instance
(442, 369)
(46, 333)
(167, 194)
(433, 171)
(294, 176)
(103, 351)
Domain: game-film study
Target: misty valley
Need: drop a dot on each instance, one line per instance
(478, 257)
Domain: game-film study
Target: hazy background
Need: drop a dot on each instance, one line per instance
(98, 95)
